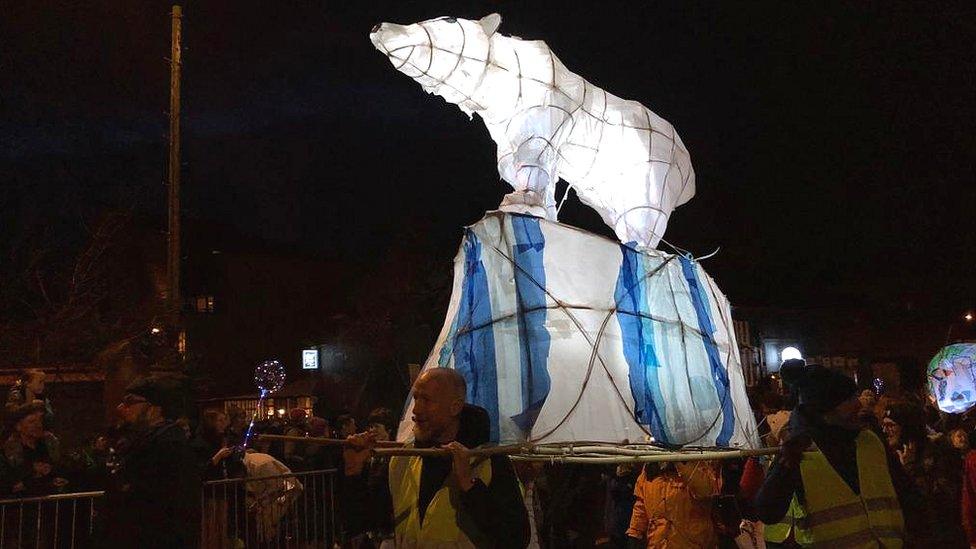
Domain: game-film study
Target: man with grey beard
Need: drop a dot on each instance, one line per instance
(461, 501)
(153, 498)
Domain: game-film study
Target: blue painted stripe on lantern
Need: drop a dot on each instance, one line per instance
(447, 349)
(534, 338)
(719, 376)
(474, 342)
(637, 336)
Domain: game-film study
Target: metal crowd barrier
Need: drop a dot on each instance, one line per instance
(55, 521)
(293, 510)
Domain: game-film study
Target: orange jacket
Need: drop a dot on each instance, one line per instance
(674, 509)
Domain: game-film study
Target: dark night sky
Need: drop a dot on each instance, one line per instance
(833, 147)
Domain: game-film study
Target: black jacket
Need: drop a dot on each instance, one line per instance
(230, 467)
(153, 498)
(497, 510)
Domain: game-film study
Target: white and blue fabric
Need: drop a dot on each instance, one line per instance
(566, 336)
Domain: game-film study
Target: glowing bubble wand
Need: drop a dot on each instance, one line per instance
(269, 376)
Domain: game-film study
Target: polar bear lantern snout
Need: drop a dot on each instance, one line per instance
(400, 43)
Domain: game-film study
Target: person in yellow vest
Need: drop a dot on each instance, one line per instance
(833, 483)
(461, 501)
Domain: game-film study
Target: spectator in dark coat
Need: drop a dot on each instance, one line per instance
(31, 453)
(294, 453)
(319, 456)
(214, 452)
(619, 503)
(154, 497)
(380, 505)
(219, 459)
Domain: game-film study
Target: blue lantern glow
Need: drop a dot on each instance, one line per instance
(952, 379)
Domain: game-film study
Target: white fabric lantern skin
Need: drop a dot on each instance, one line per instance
(623, 160)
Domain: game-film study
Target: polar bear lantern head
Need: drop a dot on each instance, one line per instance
(447, 56)
(548, 123)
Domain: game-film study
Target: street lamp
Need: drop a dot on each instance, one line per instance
(790, 353)
(968, 317)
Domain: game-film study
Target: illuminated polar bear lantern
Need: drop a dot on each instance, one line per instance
(623, 160)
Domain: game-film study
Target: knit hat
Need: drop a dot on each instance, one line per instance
(165, 391)
(818, 388)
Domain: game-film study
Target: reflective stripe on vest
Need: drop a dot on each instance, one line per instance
(839, 518)
(442, 524)
(779, 532)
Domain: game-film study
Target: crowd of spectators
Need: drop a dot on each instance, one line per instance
(658, 505)
(32, 463)
(363, 508)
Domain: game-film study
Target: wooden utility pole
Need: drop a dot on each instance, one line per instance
(173, 238)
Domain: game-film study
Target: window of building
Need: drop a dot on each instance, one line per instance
(205, 304)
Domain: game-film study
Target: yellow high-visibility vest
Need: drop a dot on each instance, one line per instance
(780, 531)
(442, 524)
(838, 518)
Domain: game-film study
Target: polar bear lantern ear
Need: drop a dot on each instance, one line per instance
(490, 23)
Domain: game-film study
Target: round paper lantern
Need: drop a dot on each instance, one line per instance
(952, 379)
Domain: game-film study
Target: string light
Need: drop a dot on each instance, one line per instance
(269, 376)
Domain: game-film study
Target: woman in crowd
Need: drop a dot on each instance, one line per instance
(934, 469)
(294, 453)
(218, 460)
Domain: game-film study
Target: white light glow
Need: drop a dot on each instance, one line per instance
(791, 353)
(310, 359)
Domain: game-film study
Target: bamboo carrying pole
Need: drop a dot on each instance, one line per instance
(487, 451)
(569, 453)
(322, 441)
(650, 457)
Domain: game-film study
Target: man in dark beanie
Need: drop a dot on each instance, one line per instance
(832, 482)
(154, 494)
